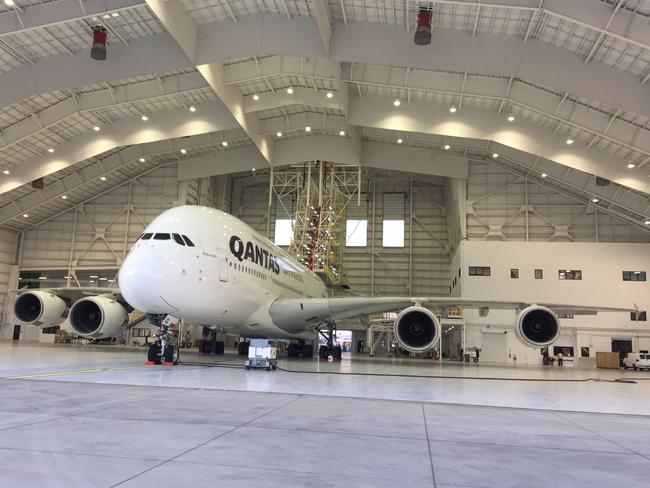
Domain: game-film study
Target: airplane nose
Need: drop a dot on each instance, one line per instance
(142, 281)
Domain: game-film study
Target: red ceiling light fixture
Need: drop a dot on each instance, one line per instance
(423, 31)
(98, 51)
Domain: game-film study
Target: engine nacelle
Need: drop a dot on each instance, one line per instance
(417, 329)
(98, 317)
(537, 326)
(41, 308)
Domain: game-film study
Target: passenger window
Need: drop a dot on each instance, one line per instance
(178, 239)
(146, 236)
(187, 241)
(161, 237)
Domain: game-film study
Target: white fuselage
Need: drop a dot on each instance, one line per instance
(228, 278)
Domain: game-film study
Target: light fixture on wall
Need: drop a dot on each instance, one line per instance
(399, 140)
(341, 133)
(329, 94)
(256, 97)
(278, 133)
(397, 102)
(290, 91)
(452, 109)
(570, 141)
(511, 118)
(144, 118)
(631, 165)
(192, 108)
(447, 147)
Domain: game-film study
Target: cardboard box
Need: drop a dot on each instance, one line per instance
(608, 360)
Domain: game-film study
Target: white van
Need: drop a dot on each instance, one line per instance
(637, 360)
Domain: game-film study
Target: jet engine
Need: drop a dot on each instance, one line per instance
(98, 317)
(537, 326)
(416, 329)
(41, 308)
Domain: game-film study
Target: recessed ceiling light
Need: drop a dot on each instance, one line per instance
(192, 108)
(93, 276)
(307, 129)
(142, 160)
(65, 197)
(329, 95)
(103, 279)
(453, 110)
(397, 102)
(399, 140)
(544, 175)
(50, 150)
(106, 16)
(495, 155)
(341, 132)
(144, 118)
(115, 14)
(224, 143)
(253, 169)
(42, 277)
(25, 215)
(96, 128)
(570, 141)
(647, 222)
(595, 200)
(278, 133)
(631, 165)
(91, 281)
(103, 178)
(10, 3)
(5, 171)
(183, 151)
(511, 118)
(447, 147)
(290, 91)
(256, 97)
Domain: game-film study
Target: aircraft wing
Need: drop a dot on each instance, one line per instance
(292, 314)
(72, 293)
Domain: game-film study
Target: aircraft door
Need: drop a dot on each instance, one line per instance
(223, 267)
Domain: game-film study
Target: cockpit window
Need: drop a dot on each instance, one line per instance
(178, 239)
(187, 241)
(146, 236)
(162, 237)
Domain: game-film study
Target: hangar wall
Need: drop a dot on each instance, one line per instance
(8, 246)
(496, 204)
(421, 267)
(601, 266)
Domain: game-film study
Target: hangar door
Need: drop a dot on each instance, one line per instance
(493, 347)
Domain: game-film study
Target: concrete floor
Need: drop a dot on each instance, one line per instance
(96, 417)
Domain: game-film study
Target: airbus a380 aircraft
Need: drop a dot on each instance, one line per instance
(211, 269)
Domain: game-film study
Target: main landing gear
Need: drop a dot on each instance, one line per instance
(162, 351)
(325, 351)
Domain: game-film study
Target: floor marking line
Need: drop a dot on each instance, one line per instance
(65, 373)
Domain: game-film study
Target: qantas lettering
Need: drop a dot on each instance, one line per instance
(253, 253)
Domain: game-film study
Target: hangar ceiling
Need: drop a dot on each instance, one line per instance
(516, 78)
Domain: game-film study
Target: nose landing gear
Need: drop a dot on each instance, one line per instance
(163, 351)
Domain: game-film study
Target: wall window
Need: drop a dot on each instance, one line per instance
(539, 274)
(638, 316)
(283, 232)
(633, 275)
(393, 225)
(514, 273)
(569, 274)
(356, 233)
(479, 271)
